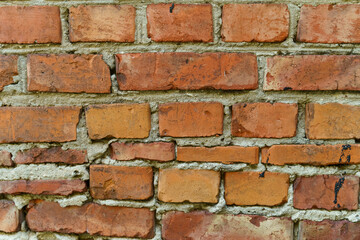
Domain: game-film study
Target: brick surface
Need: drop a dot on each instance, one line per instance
(5, 159)
(117, 182)
(328, 229)
(43, 187)
(30, 24)
(264, 120)
(8, 69)
(249, 188)
(91, 218)
(118, 120)
(102, 23)
(204, 225)
(158, 151)
(326, 192)
(176, 185)
(228, 154)
(51, 155)
(185, 23)
(186, 71)
(313, 72)
(68, 73)
(196, 119)
(332, 121)
(255, 22)
(312, 154)
(327, 23)
(9, 217)
(38, 124)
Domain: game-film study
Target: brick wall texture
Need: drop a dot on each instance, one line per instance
(184, 120)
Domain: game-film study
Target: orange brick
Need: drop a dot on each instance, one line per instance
(30, 24)
(328, 23)
(118, 120)
(255, 22)
(102, 23)
(186, 71)
(228, 155)
(38, 124)
(196, 119)
(8, 69)
(117, 182)
(9, 217)
(176, 185)
(264, 120)
(185, 23)
(68, 73)
(158, 151)
(251, 188)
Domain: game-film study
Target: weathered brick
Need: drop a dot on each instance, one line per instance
(326, 192)
(93, 219)
(329, 23)
(184, 23)
(118, 120)
(176, 185)
(264, 120)
(51, 155)
(102, 23)
(204, 225)
(312, 154)
(43, 187)
(5, 159)
(332, 121)
(68, 73)
(313, 72)
(10, 217)
(328, 229)
(38, 124)
(228, 154)
(195, 119)
(118, 182)
(186, 71)
(255, 22)
(30, 24)
(255, 188)
(8, 69)
(158, 151)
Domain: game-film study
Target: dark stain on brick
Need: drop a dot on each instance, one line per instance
(172, 7)
(345, 149)
(338, 186)
(287, 88)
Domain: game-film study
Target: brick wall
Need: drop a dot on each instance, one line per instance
(192, 120)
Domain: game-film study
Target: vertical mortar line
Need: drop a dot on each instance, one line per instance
(109, 59)
(154, 130)
(296, 229)
(64, 15)
(22, 73)
(141, 25)
(300, 128)
(227, 126)
(158, 216)
(262, 71)
(216, 18)
(294, 10)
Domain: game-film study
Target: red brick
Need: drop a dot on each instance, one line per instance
(204, 225)
(102, 23)
(186, 71)
(312, 72)
(255, 22)
(312, 154)
(10, 217)
(5, 159)
(264, 120)
(93, 219)
(117, 182)
(158, 151)
(227, 155)
(176, 185)
(328, 229)
(118, 120)
(332, 121)
(30, 24)
(8, 69)
(328, 23)
(249, 188)
(320, 192)
(68, 73)
(194, 119)
(43, 187)
(186, 23)
(38, 124)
